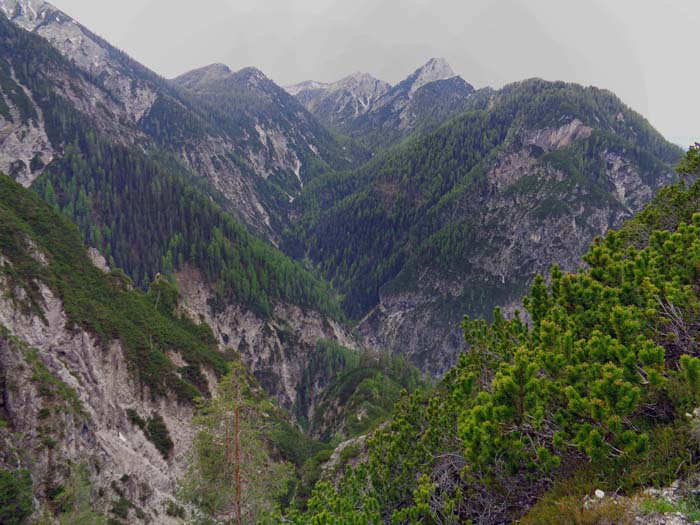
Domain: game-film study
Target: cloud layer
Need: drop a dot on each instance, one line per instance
(640, 49)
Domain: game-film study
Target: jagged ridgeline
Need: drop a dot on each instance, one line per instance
(143, 212)
(379, 115)
(599, 391)
(239, 101)
(363, 226)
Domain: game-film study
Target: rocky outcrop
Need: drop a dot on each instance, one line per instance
(89, 52)
(278, 349)
(434, 69)
(380, 115)
(528, 216)
(337, 104)
(25, 147)
(65, 402)
(274, 132)
(351, 452)
(550, 139)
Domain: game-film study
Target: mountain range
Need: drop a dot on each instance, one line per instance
(379, 115)
(329, 237)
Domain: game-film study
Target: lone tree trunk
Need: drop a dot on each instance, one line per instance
(237, 453)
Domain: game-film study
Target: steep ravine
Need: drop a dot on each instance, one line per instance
(277, 350)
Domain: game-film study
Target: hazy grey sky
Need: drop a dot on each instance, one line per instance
(644, 50)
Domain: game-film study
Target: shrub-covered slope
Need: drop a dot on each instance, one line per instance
(594, 393)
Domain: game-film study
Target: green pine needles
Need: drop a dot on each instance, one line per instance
(598, 376)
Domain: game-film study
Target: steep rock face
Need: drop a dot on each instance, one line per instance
(338, 104)
(530, 216)
(398, 96)
(88, 51)
(65, 403)
(280, 138)
(278, 349)
(425, 99)
(434, 69)
(29, 136)
(25, 147)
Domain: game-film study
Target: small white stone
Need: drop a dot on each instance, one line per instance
(599, 494)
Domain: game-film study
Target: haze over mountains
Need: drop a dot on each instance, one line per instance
(379, 115)
(329, 238)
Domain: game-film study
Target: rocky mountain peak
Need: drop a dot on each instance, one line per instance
(434, 69)
(69, 37)
(214, 76)
(203, 75)
(348, 98)
(216, 69)
(306, 85)
(252, 75)
(362, 84)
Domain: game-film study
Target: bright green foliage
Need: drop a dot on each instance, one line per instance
(421, 507)
(419, 442)
(690, 164)
(15, 496)
(602, 376)
(100, 303)
(590, 375)
(350, 504)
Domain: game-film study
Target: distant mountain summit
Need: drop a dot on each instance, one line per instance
(203, 75)
(337, 104)
(241, 132)
(380, 115)
(280, 138)
(434, 69)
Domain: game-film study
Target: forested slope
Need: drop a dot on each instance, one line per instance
(462, 219)
(593, 394)
(148, 214)
(104, 385)
(255, 149)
